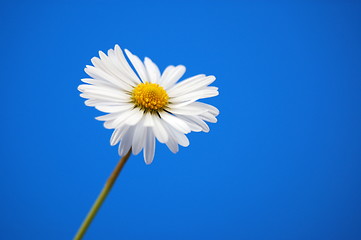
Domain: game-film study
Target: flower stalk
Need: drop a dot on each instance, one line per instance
(102, 196)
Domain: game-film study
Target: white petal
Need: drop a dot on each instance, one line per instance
(187, 110)
(139, 137)
(118, 134)
(104, 91)
(175, 74)
(195, 120)
(193, 108)
(148, 120)
(172, 145)
(213, 110)
(101, 102)
(97, 73)
(194, 127)
(124, 64)
(119, 120)
(135, 117)
(189, 85)
(138, 65)
(126, 142)
(98, 82)
(102, 55)
(181, 138)
(120, 71)
(178, 137)
(115, 138)
(187, 81)
(159, 131)
(180, 104)
(149, 147)
(103, 98)
(166, 74)
(115, 108)
(175, 122)
(96, 102)
(108, 117)
(111, 66)
(208, 117)
(87, 80)
(203, 93)
(152, 69)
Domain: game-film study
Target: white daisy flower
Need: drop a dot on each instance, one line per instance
(147, 105)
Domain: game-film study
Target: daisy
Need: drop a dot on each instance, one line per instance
(146, 105)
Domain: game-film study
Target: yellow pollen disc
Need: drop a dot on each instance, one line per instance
(150, 96)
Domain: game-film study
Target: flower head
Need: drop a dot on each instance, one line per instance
(147, 105)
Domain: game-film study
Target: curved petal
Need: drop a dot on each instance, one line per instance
(126, 142)
(172, 145)
(118, 134)
(174, 75)
(195, 120)
(159, 131)
(112, 66)
(181, 138)
(148, 120)
(138, 65)
(213, 110)
(152, 70)
(135, 117)
(97, 73)
(168, 70)
(208, 117)
(119, 120)
(100, 102)
(139, 137)
(190, 84)
(175, 122)
(125, 65)
(149, 147)
(114, 108)
(203, 93)
(107, 92)
(187, 110)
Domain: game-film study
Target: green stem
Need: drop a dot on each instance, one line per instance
(103, 194)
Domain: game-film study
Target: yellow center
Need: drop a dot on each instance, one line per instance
(150, 96)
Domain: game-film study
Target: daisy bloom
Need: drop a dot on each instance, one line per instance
(145, 104)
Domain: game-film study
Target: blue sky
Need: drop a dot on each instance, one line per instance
(283, 161)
